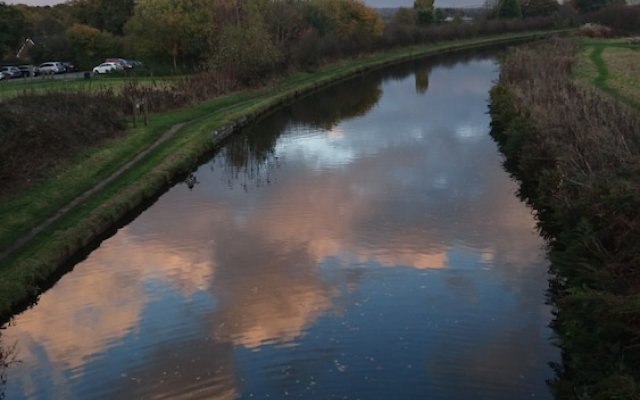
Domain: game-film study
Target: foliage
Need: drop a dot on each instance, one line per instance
(404, 16)
(624, 19)
(60, 125)
(585, 6)
(577, 153)
(539, 8)
(285, 23)
(46, 27)
(105, 15)
(245, 52)
(13, 29)
(424, 12)
(89, 45)
(173, 29)
(343, 18)
(509, 9)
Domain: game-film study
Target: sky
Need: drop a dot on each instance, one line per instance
(373, 3)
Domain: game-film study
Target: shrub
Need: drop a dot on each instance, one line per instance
(578, 154)
(39, 130)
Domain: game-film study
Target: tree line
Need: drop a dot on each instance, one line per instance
(248, 37)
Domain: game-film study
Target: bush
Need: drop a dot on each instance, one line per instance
(625, 19)
(39, 130)
(577, 153)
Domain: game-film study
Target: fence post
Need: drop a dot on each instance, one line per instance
(135, 112)
(145, 109)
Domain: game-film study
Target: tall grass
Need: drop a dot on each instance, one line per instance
(577, 152)
(40, 130)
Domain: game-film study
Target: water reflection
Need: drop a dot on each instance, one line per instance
(363, 242)
(3, 367)
(422, 78)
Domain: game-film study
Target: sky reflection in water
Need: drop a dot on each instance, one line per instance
(364, 242)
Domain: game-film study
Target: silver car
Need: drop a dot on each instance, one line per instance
(11, 72)
(52, 67)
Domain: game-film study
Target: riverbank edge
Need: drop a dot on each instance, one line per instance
(582, 318)
(28, 271)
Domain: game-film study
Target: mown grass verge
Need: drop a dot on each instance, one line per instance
(39, 85)
(24, 272)
(612, 66)
(576, 152)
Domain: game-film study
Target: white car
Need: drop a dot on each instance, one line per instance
(105, 68)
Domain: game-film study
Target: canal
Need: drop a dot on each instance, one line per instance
(362, 243)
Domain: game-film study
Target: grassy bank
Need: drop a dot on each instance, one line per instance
(24, 271)
(577, 153)
(39, 85)
(611, 65)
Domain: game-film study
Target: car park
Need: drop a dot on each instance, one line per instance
(105, 67)
(51, 67)
(11, 71)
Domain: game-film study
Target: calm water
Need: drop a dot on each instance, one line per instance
(364, 243)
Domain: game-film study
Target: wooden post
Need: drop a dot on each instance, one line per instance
(135, 112)
(145, 109)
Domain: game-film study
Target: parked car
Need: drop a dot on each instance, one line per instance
(135, 63)
(3, 76)
(51, 67)
(11, 71)
(120, 62)
(69, 66)
(105, 67)
(28, 70)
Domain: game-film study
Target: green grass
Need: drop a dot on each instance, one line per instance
(22, 272)
(610, 65)
(13, 88)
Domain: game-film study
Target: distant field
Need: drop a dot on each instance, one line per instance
(13, 88)
(613, 66)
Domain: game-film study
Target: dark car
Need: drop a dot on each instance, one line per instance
(121, 62)
(28, 70)
(69, 66)
(135, 63)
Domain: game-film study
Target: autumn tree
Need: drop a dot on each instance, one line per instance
(285, 22)
(106, 15)
(539, 8)
(404, 16)
(244, 49)
(173, 29)
(343, 18)
(13, 29)
(91, 45)
(424, 11)
(509, 9)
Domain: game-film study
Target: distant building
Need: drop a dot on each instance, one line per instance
(464, 19)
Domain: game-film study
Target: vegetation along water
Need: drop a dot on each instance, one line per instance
(576, 151)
